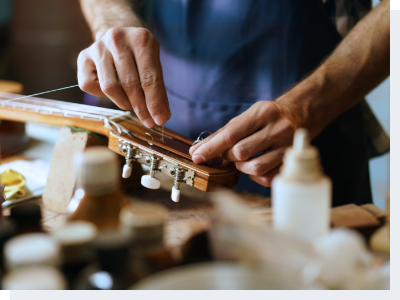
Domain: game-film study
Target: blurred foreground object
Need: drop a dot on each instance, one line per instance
(215, 276)
(113, 271)
(98, 179)
(12, 134)
(301, 193)
(34, 278)
(76, 241)
(144, 223)
(32, 249)
(338, 259)
(380, 240)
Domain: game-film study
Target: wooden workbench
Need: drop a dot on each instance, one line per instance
(186, 218)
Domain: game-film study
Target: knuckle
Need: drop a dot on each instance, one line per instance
(130, 85)
(268, 180)
(85, 85)
(97, 48)
(116, 35)
(109, 87)
(239, 153)
(82, 57)
(257, 169)
(141, 111)
(149, 80)
(229, 139)
(142, 37)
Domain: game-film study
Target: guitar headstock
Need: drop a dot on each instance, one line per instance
(168, 153)
(161, 150)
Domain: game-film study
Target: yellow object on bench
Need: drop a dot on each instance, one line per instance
(14, 184)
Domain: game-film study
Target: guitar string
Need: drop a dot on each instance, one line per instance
(60, 89)
(23, 97)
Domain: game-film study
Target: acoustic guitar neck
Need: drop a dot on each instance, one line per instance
(162, 150)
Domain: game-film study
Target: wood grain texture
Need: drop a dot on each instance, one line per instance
(213, 175)
(207, 177)
(95, 126)
(61, 180)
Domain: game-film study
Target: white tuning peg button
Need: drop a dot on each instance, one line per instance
(150, 182)
(176, 194)
(127, 171)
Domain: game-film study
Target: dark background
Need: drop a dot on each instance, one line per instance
(39, 44)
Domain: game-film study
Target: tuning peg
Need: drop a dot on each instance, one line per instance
(127, 171)
(150, 182)
(129, 152)
(176, 194)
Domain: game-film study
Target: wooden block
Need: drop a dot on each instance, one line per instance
(61, 181)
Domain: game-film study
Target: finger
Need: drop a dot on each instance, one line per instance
(249, 146)
(146, 51)
(87, 75)
(129, 80)
(193, 148)
(266, 179)
(261, 164)
(237, 129)
(108, 77)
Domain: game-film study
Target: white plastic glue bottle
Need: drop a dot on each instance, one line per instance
(301, 193)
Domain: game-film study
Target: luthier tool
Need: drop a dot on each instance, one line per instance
(130, 138)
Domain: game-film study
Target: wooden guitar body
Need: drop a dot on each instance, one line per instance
(161, 149)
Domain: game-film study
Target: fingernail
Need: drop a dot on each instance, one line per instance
(159, 120)
(198, 159)
(190, 150)
(148, 123)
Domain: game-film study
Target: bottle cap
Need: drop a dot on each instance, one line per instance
(143, 220)
(97, 170)
(112, 249)
(31, 249)
(301, 162)
(26, 215)
(76, 240)
(34, 278)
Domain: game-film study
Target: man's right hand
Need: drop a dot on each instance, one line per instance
(124, 65)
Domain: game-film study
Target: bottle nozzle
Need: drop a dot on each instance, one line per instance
(301, 140)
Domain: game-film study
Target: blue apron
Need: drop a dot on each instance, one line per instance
(221, 56)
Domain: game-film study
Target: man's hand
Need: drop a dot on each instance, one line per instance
(123, 63)
(265, 130)
(357, 66)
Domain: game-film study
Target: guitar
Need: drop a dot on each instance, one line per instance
(161, 149)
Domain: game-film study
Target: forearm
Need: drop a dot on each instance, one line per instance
(102, 15)
(357, 66)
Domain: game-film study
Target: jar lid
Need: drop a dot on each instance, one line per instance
(31, 249)
(143, 214)
(143, 220)
(75, 233)
(76, 240)
(34, 278)
(97, 170)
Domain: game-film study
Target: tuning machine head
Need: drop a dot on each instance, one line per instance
(129, 152)
(150, 181)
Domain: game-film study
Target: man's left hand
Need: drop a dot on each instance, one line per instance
(255, 140)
